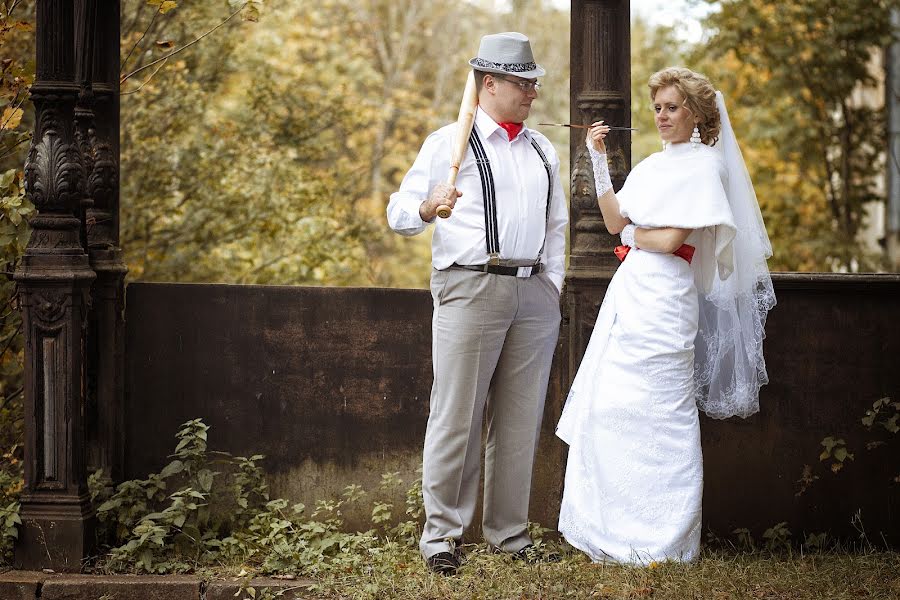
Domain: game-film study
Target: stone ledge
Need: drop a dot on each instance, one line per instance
(121, 587)
(31, 585)
(21, 585)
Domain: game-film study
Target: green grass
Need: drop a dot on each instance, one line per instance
(718, 575)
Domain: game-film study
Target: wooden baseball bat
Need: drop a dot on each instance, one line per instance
(464, 123)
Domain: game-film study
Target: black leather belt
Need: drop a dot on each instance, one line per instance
(526, 271)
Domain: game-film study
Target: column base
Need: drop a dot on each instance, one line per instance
(57, 534)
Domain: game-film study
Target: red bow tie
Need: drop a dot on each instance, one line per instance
(512, 129)
(685, 251)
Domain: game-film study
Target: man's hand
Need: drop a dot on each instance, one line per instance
(441, 195)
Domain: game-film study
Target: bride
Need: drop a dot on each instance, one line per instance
(681, 326)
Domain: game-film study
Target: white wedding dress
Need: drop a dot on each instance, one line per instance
(634, 478)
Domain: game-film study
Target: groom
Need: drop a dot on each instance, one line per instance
(498, 267)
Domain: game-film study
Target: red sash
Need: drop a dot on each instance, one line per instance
(686, 251)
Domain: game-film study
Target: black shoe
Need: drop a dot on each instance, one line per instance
(531, 555)
(443, 563)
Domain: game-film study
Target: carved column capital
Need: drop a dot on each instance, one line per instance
(54, 173)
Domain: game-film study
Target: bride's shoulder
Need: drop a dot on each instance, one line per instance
(647, 162)
(716, 161)
(704, 159)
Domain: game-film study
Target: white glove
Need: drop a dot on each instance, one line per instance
(627, 235)
(601, 170)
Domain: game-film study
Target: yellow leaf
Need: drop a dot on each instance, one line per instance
(11, 118)
(167, 6)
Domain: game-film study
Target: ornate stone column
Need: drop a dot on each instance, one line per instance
(54, 280)
(600, 89)
(97, 118)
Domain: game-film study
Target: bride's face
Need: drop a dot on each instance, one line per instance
(674, 122)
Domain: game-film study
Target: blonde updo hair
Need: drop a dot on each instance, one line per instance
(699, 98)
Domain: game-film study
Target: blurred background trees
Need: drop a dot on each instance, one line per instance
(266, 152)
(806, 79)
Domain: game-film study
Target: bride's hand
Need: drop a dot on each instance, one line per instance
(595, 136)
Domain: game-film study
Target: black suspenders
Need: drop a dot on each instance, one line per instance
(488, 192)
(491, 236)
(549, 192)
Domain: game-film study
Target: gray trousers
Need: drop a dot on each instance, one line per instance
(493, 338)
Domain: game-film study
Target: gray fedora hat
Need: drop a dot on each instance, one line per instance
(507, 53)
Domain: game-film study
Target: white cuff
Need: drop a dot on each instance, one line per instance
(601, 170)
(627, 235)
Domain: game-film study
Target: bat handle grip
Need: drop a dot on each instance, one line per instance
(445, 211)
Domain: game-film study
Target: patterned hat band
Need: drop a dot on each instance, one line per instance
(508, 67)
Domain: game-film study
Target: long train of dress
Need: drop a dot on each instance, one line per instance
(634, 479)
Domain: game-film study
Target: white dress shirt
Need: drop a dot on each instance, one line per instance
(521, 183)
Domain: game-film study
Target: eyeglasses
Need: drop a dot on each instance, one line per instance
(525, 86)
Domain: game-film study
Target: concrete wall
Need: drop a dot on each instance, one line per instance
(332, 385)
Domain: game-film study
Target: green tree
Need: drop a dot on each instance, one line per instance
(234, 156)
(803, 93)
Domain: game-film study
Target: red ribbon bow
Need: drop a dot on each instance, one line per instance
(512, 129)
(686, 251)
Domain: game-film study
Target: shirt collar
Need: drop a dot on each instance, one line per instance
(488, 127)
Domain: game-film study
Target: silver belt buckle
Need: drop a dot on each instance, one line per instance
(524, 271)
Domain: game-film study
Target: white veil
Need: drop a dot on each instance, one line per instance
(729, 367)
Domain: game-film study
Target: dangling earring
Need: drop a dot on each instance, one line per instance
(695, 138)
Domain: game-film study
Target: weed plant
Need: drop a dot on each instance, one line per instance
(210, 513)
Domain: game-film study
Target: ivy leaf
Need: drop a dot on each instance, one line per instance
(841, 454)
(6, 179)
(109, 505)
(11, 118)
(173, 468)
(146, 560)
(205, 478)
